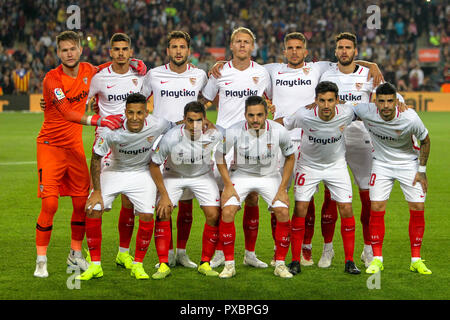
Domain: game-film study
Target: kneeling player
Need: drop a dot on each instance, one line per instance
(127, 174)
(322, 158)
(256, 142)
(396, 157)
(186, 153)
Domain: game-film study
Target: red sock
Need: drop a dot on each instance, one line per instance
(273, 224)
(282, 236)
(329, 217)
(376, 227)
(184, 223)
(297, 236)
(365, 215)
(44, 224)
(348, 237)
(163, 235)
(78, 222)
(143, 238)
(94, 237)
(250, 225)
(227, 234)
(126, 226)
(209, 241)
(416, 230)
(309, 222)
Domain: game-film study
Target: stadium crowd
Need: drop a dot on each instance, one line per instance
(28, 31)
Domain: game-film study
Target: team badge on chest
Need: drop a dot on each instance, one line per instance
(193, 81)
(256, 80)
(135, 81)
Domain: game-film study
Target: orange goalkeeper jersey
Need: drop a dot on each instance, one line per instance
(64, 97)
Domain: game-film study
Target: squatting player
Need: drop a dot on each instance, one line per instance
(256, 142)
(172, 86)
(128, 173)
(240, 79)
(61, 161)
(185, 153)
(395, 157)
(111, 87)
(322, 158)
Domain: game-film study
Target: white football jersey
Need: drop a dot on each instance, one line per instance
(112, 90)
(256, 155)
(234, 87)
(172, 91)
(130, 151)
(353, 88)
(393, 141)
(322, 141)
(292, 88)
(186, 157)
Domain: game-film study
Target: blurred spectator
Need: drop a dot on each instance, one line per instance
(28, 30)
(416, 77)
(6, 84)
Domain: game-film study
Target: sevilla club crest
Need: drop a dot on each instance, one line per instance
(306, 70)
(135, 81)
(358, 85)
(256, 80)
(193, 81)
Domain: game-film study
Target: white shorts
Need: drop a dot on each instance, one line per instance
(138, 186)
(203, 187)
(266, 186)
(383, 177)
(359, 153)
(336, 178)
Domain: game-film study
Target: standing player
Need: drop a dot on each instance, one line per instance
(256, 143)
(351, 79)
(111, 87)
(322, 158)
(127, 173)
(174, 85)
(185, 153)
(240, 79)
(61, 161)
(395, 157)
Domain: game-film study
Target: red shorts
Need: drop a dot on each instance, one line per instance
(62, 171)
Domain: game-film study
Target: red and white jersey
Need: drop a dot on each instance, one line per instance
(353, 88)
(256, 155)
(186, 157)
(172, 91)
(112, 89)
(293, 88)
(393, 141)
(130, 151)
(322, 141)
(234, 87)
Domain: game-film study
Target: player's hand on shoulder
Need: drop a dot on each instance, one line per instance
(208, 126)
(215, 70)
(94, 199)
(93, 105)
(112, 122)
(42, 104)
(310, 106)
(375, 73)
(402, 106)
(138, 66)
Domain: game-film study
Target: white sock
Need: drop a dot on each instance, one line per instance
(181, 251)
(327, 246)
(218, 252)
(367, 247)
(171, 252)
(122, 250)
(230, 262)
(41, 259)
(379, 258)
(415, 259)
(75, 253)
(279, 263)
(250, 254)
(307, 246)
(98, 263)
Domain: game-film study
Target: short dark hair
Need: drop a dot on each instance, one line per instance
(327, 86)
(347, 36)
(255, 100)
(178, 34)
(386, 88)
(68, 35)
(136, 98)
(119, 37)
(295, 35)
(195, 106)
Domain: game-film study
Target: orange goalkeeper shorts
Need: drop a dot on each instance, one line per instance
(62, 171)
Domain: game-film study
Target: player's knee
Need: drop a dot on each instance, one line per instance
(126, 203)
(300, 209)
(282, 214)
(378, 205)
(416, 206)
(145, 216)
(94, 214)
(345, 209)
(228, 213)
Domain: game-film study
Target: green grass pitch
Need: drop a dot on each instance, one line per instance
(19, 209)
